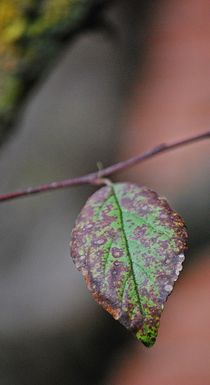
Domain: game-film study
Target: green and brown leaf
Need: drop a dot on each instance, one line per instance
(129, 245)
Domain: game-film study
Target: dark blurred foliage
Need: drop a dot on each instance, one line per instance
(32, 35)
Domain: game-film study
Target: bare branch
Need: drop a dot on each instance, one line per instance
(97, 177)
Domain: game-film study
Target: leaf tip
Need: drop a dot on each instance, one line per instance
(148, 338)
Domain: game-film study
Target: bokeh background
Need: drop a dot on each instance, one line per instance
(110, 96)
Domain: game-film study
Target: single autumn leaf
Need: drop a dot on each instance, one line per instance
(129, 244)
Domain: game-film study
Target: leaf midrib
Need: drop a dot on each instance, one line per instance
(128, 251)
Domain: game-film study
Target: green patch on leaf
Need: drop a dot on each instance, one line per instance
(129, 244)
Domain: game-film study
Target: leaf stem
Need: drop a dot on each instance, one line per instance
(93, 178)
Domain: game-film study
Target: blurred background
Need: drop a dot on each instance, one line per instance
(110, 96)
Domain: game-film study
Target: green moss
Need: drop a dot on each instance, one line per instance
(32, 34)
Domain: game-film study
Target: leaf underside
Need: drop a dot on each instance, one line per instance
(129, 245)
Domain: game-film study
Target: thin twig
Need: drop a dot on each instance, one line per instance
(93, 178)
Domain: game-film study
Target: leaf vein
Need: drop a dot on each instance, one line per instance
(128, 253)
(148, 223)
(107, 255)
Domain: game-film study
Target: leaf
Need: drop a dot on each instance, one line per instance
(129, 244)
